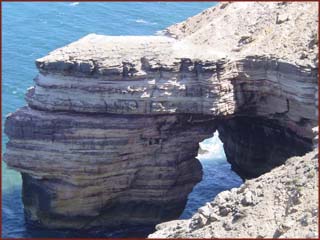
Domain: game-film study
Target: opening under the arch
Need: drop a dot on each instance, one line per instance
(217, 175)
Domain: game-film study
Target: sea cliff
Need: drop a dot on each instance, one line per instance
(112, 126)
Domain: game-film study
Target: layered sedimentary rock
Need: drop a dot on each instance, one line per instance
(173, 81)
(256, 145)
(112, 125)
(103, 170)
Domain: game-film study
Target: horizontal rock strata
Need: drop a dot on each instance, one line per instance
(165, 83)
(255, 145)
(175, 84)
(98, 165)
(112, 126)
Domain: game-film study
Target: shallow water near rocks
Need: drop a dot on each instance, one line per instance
(30, 31)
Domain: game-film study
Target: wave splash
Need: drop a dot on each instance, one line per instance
(213, 148)
(74, 4)
(142, 21)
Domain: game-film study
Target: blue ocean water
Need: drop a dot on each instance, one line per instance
(31, 30)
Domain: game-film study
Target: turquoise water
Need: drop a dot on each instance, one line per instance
(30, 31)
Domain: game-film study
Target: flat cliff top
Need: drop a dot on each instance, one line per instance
(106, 54)
(285, 31)
(122, 55)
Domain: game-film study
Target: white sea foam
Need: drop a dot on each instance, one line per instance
(74, 4)
(160, 33)
(213, 146)
(142, 21)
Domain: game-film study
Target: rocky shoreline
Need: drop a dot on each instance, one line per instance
(113, 124)
(282, 203)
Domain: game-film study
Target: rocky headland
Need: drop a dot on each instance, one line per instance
(112, 126)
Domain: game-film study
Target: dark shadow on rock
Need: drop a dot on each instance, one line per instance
(14, 224)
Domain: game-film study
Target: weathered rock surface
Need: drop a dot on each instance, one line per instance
(285, 30)
(92, 168)
(282, 203)
(112, 125)
(256, 145)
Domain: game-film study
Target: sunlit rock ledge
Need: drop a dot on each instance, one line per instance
(112, 126)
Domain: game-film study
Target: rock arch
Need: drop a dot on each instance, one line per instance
(112, 125)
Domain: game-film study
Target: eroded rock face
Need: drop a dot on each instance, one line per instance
(112, 125)
(81, 171)
(254, 146)
(167, 84)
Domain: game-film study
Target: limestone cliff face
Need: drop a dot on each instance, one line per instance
(81, 171)
(112, 125)
(173, 81)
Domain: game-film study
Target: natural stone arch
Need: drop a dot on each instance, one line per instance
(113, 124)
(96, 170)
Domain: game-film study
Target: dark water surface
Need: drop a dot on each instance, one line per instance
(30, 31)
